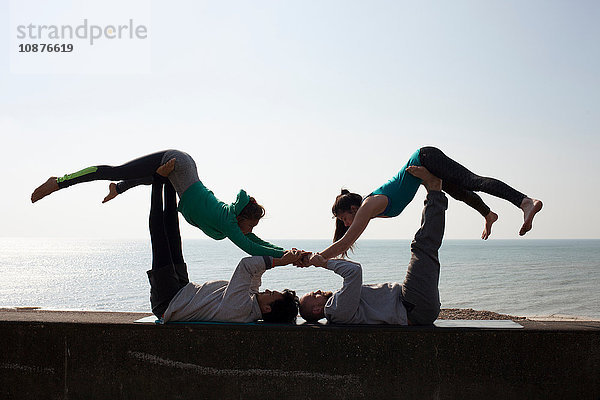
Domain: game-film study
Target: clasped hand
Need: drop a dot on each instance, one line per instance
(300, 258)
(308, 258)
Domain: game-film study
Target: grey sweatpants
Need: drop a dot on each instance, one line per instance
(420, 288)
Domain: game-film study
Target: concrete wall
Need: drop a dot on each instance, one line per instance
(41, 360)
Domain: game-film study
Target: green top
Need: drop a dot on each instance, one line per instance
(201, 208)
(401, 189)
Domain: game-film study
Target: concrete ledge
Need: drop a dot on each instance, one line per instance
(76, 355)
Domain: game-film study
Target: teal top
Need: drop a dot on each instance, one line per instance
(201, 208)
(401, 189)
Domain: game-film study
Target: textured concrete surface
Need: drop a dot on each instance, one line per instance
(83, 355)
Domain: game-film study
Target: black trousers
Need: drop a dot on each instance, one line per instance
(169, 271)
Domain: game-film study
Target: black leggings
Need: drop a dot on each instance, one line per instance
(169, 271)
(164, 225)
(141, 170)
(461, 184)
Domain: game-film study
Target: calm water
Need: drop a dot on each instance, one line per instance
(519, 277)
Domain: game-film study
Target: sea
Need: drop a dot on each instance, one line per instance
(517, 277)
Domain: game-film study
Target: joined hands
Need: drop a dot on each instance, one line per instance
(308, 259)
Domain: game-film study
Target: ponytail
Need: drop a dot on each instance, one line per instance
(343, 203)
(340, 230)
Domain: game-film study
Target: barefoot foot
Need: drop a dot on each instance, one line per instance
(112, 192)
(530, 207)
(430, 181)
(48, 187)
(166, 168)
(489, 220)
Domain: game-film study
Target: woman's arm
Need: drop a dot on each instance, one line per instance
(247, 245)
(261, 242)
(370, 208)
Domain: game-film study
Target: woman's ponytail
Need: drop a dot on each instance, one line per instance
(343, 203)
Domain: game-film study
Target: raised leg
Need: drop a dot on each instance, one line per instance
(161, 252)
(420, 288)
(452, 172)
(472, 199)
(164, 280)
(171, 220)
(139, 168)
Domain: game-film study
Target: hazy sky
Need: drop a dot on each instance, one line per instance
(291, 100)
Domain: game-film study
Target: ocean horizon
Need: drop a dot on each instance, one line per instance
(518, 277)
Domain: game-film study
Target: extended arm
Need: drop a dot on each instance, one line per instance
(345, 302)
(371, 207)
(255, 249)
(270, 262)
(261, 242)
(246, 279)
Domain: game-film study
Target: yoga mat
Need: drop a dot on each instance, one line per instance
(153, 320)
(440, 323)
(477, 324)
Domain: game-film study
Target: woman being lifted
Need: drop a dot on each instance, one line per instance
(353, 213)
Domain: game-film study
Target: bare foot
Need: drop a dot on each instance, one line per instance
(112, 192)
(489, 220)
(530, 207)
(430, 181)
(48, 187)
(166, 168)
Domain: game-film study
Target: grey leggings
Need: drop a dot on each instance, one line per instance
(138, 172)
(184, 175)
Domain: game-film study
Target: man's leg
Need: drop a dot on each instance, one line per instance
(171, 221)
(164, 283)
(420, 288)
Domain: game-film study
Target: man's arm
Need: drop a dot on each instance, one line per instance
(245, 280)
(344, 303)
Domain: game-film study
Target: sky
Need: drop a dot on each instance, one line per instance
(293, 100)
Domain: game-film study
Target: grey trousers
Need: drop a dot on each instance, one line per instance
(420, 288)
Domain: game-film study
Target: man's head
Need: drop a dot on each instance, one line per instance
(312, 305)
(278, 307)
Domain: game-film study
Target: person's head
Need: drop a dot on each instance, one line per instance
(250, 215)
(278, 307)
(312, 305)
(344, 209)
